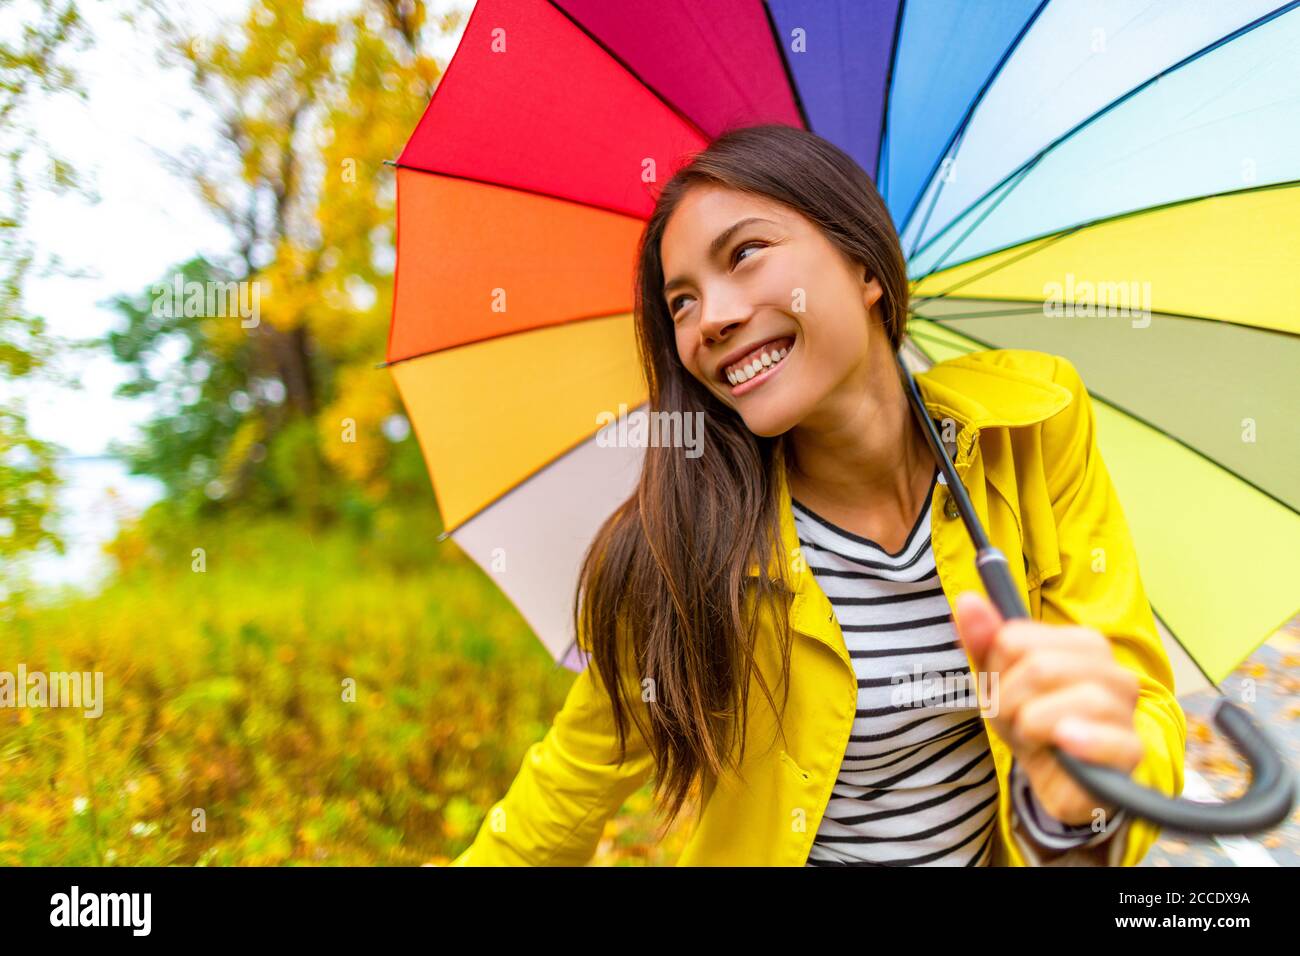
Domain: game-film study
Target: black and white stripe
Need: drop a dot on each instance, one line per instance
(917, 786)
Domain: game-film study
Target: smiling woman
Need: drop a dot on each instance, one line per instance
(797, 557)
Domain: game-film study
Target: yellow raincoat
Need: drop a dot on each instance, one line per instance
(1026, 451)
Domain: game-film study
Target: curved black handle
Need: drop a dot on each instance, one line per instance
(1266, 804)
(1272, 785)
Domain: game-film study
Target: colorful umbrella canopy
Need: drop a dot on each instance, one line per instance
(1114, 181)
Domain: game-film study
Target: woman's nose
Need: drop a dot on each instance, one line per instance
(721, 318)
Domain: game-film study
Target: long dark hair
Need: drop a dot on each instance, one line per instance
(662, 591)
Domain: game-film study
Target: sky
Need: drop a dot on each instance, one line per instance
(145, 220)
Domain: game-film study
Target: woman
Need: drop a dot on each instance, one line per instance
(821, 697)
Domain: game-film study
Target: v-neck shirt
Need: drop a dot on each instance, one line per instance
(917, 785)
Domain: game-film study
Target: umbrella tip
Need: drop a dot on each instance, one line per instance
(389, 162)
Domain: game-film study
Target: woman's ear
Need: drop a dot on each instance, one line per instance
(872, 290)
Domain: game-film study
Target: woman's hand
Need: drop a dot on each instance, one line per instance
(1053, 685)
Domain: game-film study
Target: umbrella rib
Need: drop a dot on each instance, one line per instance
(1100, 221)
(1033, 306)
(1258, 644)
(1190, 58)
(779, 43)
(1188, 651)
(889, 82)
(939, 263)
(1039, 306)
(957, 132)
(1154, 427)
(553, 460)
(1032, 247)
(521, 189)
(633, 73)
(501, 335)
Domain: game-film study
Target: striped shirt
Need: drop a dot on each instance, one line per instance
(917, 785)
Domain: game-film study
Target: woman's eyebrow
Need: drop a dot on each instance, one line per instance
(718, 242)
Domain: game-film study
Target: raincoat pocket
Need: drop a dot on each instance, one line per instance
(794, 768)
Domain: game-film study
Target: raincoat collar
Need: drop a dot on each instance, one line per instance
(976, 392)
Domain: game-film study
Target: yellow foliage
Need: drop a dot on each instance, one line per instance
(312, 109)
(351, 427)
(223, 694)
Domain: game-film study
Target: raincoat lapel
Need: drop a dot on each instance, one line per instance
(980, 399)
(977, 395)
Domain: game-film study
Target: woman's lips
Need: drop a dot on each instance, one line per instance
(771, 347)
(767, 372)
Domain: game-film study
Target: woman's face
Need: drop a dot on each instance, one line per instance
(776, 292)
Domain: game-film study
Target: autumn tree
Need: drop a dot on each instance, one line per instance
(309, 110)
(33, 64)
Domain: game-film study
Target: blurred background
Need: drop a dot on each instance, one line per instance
(224, 511)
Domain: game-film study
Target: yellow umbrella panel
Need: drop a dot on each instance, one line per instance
(1195, 387)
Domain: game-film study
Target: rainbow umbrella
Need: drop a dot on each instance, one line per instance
(1114, 181)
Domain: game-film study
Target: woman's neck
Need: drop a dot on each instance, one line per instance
(866, 456)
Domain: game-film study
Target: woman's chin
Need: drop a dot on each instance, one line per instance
(768, 424)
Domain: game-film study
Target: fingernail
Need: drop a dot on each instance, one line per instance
(1071, 730)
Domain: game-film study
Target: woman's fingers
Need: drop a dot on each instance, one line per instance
(1047, 671)
(1109, 745)
(1021, 638)
(1046, 680)
(1084, 720)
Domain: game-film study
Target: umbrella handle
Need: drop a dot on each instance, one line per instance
(1272, 786)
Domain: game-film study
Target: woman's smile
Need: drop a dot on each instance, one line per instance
(758, 367)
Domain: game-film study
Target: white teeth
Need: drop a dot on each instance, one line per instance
(764, 360)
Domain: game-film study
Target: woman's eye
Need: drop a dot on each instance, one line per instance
(673, 306)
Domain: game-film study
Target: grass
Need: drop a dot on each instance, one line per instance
(326, 699)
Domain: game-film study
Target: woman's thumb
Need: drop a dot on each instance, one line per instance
(977, 624)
